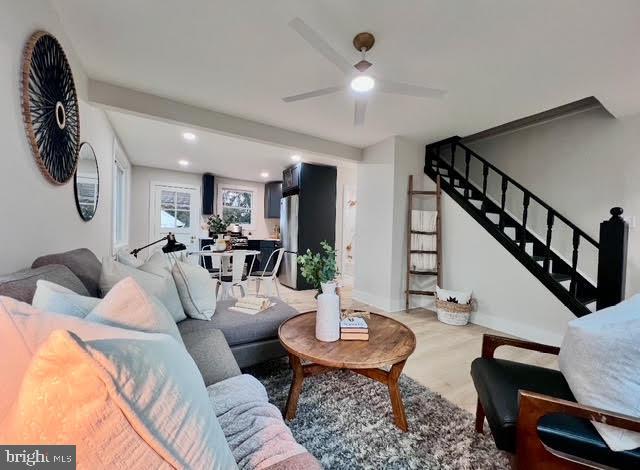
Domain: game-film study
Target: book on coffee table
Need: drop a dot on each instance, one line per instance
(354, 328)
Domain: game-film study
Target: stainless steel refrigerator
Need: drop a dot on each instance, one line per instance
(307, 216)
(289, 235)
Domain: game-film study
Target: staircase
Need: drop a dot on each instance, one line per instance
(452, 160)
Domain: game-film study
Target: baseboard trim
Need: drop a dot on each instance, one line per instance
(381, 303)
(518, 329)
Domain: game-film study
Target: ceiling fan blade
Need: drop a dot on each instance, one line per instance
(359, 112)
(388, 86)
(312, 94)
(320, 45)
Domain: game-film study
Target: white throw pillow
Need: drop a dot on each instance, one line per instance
(197, 290)
(127, 305)
(131, 399)
(158, 263)
(461, 297)
(160, 286)
(52, 297)
(599, 358)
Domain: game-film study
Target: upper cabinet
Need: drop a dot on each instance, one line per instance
(291, 179)
(272, 196)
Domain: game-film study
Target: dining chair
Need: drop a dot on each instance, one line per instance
(236, 278)
(269, 276)
(215, 268)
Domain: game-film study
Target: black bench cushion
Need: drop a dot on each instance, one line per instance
(497, 382)
(578, 437)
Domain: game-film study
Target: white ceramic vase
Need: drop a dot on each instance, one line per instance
(328, 314)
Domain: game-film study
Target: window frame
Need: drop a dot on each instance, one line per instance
(120, 162)
(241, 189)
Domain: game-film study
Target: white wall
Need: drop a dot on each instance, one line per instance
(374, 225)
(39, 217)
(509, 298)
(381, 236)
(141, 179)
(582, 165)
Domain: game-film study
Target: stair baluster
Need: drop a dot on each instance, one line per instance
(547, 255)
(503, 201)
(574, 263)
(467, 158)
(485, 173)
(525, 213)
(453, 159)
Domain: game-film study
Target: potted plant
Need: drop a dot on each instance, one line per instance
(320, 269)
(216, 225)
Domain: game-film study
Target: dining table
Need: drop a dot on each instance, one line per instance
(225, 256)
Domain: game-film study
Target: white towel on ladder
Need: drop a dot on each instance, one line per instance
(423, 242)
(423, 262)
(423, 221)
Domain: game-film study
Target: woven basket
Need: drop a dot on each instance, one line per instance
(453, 313)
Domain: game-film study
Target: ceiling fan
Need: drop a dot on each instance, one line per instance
(361, 83)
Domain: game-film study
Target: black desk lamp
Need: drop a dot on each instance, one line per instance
(171, 246)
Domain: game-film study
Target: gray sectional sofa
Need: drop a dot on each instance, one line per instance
(219, 347)
(252, 338)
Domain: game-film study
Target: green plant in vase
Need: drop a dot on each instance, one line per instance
(319, 268)
(216, 224)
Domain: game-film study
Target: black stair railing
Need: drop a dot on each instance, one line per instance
(611, 249)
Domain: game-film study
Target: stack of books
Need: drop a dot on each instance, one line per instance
(354, 328)
(252, 305)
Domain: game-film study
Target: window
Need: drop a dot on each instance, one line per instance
(120, 199)
(237, 206)
(175, 209)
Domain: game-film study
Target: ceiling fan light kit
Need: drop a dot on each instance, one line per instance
(361, 83)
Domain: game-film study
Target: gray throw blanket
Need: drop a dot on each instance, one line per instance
(255, 431)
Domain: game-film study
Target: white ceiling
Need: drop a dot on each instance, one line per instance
(499, 59)
(158, 144)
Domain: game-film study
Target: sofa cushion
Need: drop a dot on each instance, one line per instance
(149, 378)
(498, 381)
(212, 355)
(196, 288)
(82, 262)
(52, 297)
(242, 328)
(21, 285)
(159, 285)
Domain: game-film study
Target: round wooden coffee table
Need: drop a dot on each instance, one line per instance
(390, 344)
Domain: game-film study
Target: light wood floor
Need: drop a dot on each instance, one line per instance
(443, 354)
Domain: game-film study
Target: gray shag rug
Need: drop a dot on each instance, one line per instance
(345, 421)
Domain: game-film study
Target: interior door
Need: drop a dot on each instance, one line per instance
(176, 209)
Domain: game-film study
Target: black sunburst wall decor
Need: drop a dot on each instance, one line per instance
(50, 107)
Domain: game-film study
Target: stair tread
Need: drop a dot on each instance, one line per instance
(561, 277)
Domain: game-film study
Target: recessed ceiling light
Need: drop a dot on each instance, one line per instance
(183, 162)
(190, 136)
(296, 157)
(362, 83)
(264, 174)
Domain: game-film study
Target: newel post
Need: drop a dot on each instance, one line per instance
(612, 259)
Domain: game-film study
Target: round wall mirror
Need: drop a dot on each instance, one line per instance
(87, 182)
